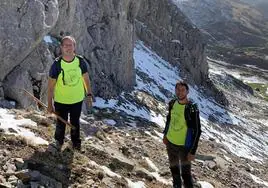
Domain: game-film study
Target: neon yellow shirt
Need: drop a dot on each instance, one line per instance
(177, 128)
(69, 87)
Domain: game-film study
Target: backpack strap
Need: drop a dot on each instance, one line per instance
(191, 109)
(84, 59)
(83, 62)
(170, 104)
(58, 66)
(80, 57)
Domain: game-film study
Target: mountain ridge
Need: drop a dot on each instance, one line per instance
(122, 139)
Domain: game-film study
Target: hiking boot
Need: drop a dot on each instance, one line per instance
(55, 146)
(197, 185)
(77, 147)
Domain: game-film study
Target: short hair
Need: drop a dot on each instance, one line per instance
(182, 83)
(68, 37)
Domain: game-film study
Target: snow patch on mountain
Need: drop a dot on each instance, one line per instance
(12, 125)
(48, 39)
(258, 180)
(160, 71)
(222, 70)
(130, 109)
(179, 1)
(229, 127)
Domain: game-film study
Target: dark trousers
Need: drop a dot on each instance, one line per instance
(63, 110)
(179, 166)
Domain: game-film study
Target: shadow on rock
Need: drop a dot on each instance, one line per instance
(50, 169)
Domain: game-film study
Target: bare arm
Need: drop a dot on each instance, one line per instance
(88, 88)
(50, 94)
(87, 83)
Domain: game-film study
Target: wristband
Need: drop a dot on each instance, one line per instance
(89, 95)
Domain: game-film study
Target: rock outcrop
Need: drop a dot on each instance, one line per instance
(23, 26)
(105, 34)
(31, 75)
(167, 31)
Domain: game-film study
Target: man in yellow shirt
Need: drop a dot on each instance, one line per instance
(181, 135)
(68, 85)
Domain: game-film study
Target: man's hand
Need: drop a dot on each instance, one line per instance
(50, 94)
(190, 157)
(50, 108)
(165, 140)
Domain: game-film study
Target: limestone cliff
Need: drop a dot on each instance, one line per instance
(171, 34)
(23, 26)
(105, 33)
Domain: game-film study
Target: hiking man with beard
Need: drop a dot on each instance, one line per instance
(181, 135)
(68, 85)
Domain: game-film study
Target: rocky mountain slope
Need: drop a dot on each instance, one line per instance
(122, 144)
(136, 55)
(236, 31)
(163, 27)
(228, 22)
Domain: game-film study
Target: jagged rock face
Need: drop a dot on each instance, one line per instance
(165, 28)
(32, 75)
(200, 12)
(104, 31)
(23, 26)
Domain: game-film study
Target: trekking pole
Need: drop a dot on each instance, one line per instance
(42, 104)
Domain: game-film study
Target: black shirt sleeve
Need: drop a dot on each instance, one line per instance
(54, 70)
(83, 66)
(196, 128)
